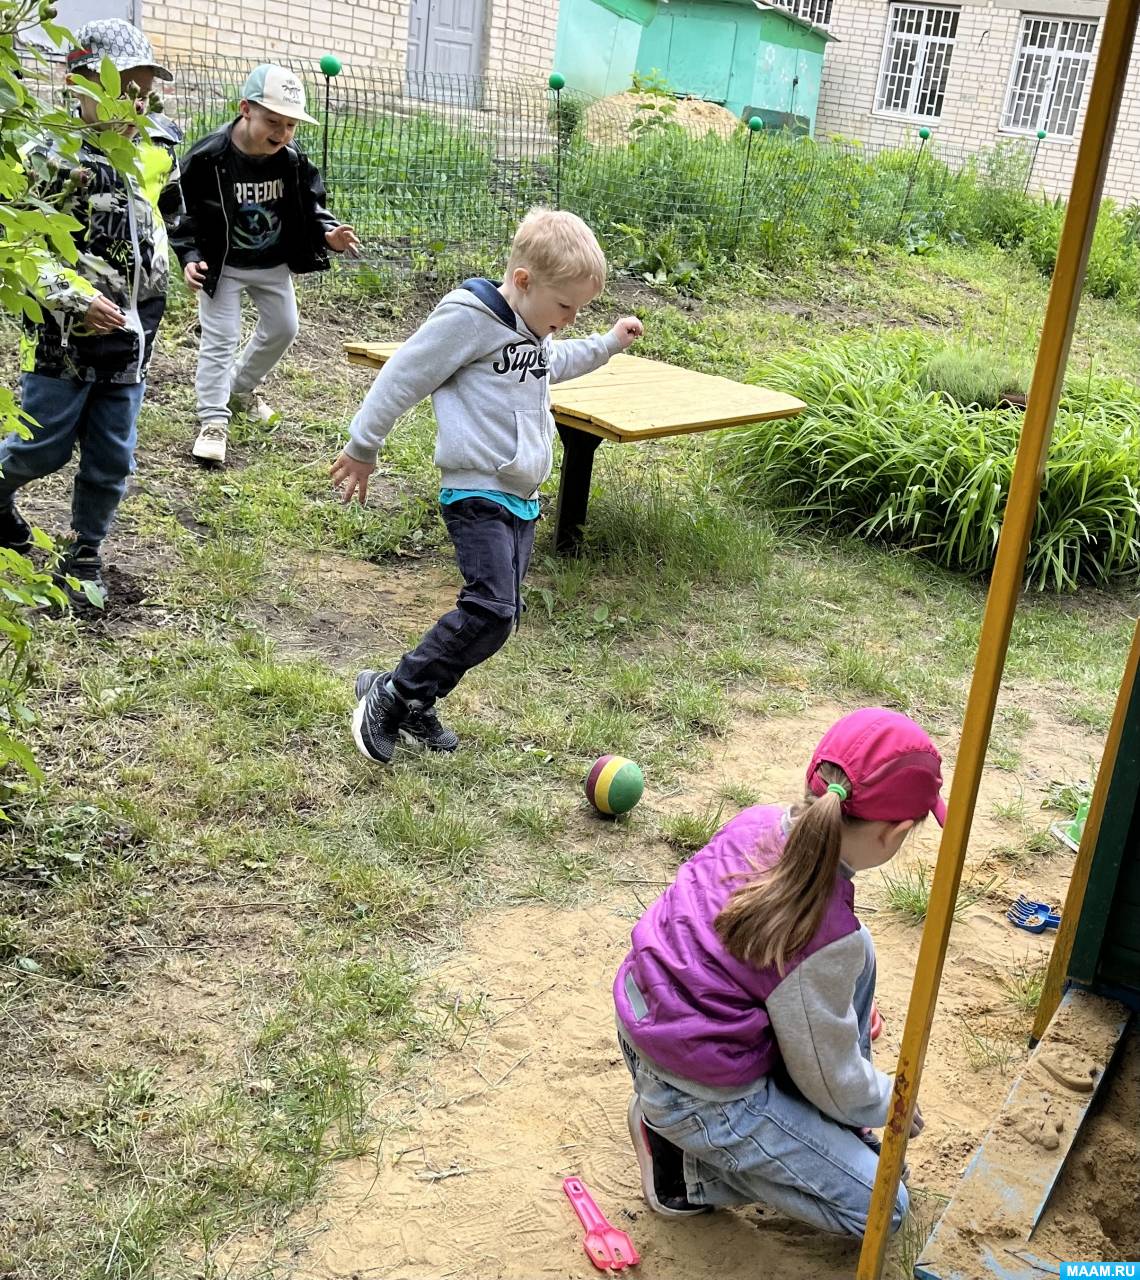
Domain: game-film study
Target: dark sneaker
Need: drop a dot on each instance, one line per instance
(662, 1168)
(376, 720)
(81, 561)
(366, 679)
(421, 727)
(15, 532)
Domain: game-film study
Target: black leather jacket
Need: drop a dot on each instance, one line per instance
(203, 234)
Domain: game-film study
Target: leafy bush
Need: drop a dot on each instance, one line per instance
(878, 455)
(35, 238)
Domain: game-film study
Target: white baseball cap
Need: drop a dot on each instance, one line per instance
(278, 90)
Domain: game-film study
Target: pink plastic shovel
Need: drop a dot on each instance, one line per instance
(607, 1248)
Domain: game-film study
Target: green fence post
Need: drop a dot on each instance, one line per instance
(755, 124)
(923, 134)
(557, 82)
(330, 66)
(1041, 135)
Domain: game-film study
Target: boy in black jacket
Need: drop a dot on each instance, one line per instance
(255, 217)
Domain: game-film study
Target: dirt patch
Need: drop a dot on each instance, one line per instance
(468, 1180)
(608, 121)
(353, 607)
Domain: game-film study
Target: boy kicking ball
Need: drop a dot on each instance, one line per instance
(487, 356)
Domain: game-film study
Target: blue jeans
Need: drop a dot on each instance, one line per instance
(493, 548)
(772, 1146)
(102, 417)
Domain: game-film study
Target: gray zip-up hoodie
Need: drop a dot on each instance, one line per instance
(489, 381)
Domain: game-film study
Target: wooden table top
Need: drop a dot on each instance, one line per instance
(631, 399)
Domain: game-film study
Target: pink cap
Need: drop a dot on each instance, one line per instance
(895, 770)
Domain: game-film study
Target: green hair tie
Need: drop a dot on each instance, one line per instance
(839, 789)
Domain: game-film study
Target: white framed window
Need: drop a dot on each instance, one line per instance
(916, 60)
(817, 12)
(1048, 75)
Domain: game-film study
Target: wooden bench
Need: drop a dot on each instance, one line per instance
(627, 400)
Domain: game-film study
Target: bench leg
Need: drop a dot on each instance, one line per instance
(578, 448)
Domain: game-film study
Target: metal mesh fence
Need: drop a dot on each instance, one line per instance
(426, 163)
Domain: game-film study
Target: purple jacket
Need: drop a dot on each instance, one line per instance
(689, 1005)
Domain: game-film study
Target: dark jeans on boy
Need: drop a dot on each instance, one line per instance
(493, 549)
(101, 417)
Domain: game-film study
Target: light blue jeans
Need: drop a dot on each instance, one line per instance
(101, 417)
(773, 1146)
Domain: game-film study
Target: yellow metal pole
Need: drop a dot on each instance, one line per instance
(1054, 985)
(1119, 30)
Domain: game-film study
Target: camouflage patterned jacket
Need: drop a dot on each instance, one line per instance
(122, 243)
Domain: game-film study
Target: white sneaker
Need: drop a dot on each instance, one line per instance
(211, 443)
(254, 408)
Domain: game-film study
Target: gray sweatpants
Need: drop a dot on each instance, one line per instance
(219, 376)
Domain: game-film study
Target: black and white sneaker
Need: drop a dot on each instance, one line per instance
(15, 532)
(366, 679)
(662, 1168)
(421, 727)
(376, 720)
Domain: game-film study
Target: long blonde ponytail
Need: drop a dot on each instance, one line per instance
(770, 917)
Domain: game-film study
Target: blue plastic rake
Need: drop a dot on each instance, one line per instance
(1033, 917)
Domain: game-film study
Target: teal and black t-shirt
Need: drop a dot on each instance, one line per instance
(257, 234)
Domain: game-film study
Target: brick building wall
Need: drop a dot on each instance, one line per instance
(984, 51)
(518, 36)
(522, 34)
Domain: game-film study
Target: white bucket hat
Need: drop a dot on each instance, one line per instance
(277, 89)
(117, 39)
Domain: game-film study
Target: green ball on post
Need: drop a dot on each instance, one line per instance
(557, 81)
(330, 65)
(924, 134)
(755, 123)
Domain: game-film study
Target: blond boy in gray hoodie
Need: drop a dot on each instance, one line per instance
(486, 355)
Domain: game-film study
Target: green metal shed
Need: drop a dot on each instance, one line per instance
(752, 57)
(748, 55)
(597, 43)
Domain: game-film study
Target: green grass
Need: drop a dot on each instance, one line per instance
(972, 378)
(907, 892)
(1026, 983)
(880, 456)
(205, 812)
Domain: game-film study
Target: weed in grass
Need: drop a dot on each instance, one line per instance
(1068, 796)
(740, 794)
(689, 832)
(1030, 845)
(1017, 720)
(559, 876)
(446, 839)
(1026, 983)
(1011, 810)
(537, 822)
(973, 378)
(1002, 755)
(908, 892)
(355, 997)
(990, 1048)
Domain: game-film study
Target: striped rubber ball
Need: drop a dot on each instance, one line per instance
(614, 785)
